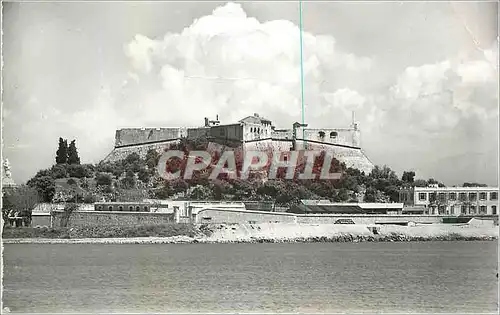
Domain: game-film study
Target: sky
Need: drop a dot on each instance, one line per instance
(422, 77)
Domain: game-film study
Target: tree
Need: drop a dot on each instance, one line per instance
(21, 199)
(408, 177)
(66, 215)
(44, 183)
(73, 157)
(62, 152)
(103, 179)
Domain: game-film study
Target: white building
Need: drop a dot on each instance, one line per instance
(457, 200)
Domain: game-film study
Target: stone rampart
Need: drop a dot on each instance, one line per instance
(119, 154)
(137, 136)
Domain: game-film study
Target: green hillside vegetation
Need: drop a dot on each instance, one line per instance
(135, 178)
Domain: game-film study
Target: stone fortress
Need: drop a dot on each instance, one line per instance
(250, 133)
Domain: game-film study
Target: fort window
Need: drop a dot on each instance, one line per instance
(442, 197)
(452, 196)
(462, 196)
(110, 208)
(333, 134)
(321, 134)
(131, 208)
(482, 210)
(422, 196)
(482, 196)
(251, 129)
(472, 196)
(137, 208)
(146, 209)
(494, 209)
(99, 208)
(493, 196)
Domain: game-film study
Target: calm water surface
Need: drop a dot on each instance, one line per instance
(321, 277)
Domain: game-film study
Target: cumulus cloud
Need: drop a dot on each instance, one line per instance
(231, 64)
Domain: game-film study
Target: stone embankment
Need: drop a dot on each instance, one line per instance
(287, 233)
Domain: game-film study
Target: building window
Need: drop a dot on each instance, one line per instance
(482, 210)
(462, 196)
(472, 196)
(493, 209)
(442, 209)
(146, 208)
(120, 208)
(137, 208)
(472, 209)
(442, 197)
(321, 134)
(131, 208)
(285, 158)
(99, 208)
(422, 196)
(452, 196)
(333, 134)
(494, 195)
(110, 208)
(464, 209)
(432, 197)
(482, 196)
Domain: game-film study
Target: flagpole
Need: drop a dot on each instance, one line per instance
(301, 70)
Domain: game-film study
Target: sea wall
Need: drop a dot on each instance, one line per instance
(248, 217)
(107, 218)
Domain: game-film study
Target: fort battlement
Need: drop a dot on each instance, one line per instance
(251, 133)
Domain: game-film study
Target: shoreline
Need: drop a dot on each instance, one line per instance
(187, 240)
(271, 233)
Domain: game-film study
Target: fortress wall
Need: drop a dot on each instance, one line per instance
(131, 136)
(282, 134)
(227, 132)
(344, 136)
(198, 132)
(121, 153)
(354, 158)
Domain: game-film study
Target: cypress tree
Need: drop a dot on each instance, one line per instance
(62, 152)
(73, 157)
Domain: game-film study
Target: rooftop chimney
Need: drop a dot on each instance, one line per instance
(256, 115)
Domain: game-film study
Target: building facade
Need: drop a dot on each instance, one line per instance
(457, 200)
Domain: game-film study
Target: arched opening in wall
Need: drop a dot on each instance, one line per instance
(131, 208)
(251, 129)
(99, 208)
(333, 135)
(110, 208)
(120, 208)
(321, 134)
(146, 209)
(137, 208)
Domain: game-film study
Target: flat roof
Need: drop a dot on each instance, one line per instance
(432, 189)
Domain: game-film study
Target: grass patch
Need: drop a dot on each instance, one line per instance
(101, 231)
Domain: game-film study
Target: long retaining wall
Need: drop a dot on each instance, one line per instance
(245, 216)
(214, 215)
(112, 218)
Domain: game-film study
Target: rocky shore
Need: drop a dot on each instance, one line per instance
(285, 233)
